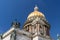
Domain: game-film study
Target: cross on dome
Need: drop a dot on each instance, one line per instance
(36, 8)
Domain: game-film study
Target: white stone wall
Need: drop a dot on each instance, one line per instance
(37, 38)
(7, 37)
(40, 38)
(22, 37)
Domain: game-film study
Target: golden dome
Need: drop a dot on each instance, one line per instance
(36, 13)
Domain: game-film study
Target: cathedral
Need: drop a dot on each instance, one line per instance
(36, 27)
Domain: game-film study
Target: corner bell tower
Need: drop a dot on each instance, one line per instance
(37, 25)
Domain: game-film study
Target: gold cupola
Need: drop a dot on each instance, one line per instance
(36, 13)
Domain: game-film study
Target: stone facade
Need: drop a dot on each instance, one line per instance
(36, 27)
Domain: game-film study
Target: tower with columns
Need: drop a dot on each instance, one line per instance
(37, 25)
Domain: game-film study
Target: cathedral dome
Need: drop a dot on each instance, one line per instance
(36, 13)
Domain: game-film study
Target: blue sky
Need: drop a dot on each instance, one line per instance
(20, 9)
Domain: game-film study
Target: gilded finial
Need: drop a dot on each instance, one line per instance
(36, 8)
